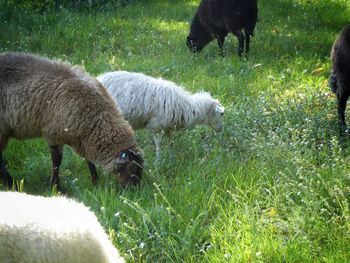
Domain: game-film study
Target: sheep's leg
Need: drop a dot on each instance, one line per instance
(240, 37)
(93, 172)
(56, 157)
(247, 43)
(221, 39)
(220, 35)
(341, 101)
(169, 135)
(4, 174)
(157, 137)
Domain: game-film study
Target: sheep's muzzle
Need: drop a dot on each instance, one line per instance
(191, 45)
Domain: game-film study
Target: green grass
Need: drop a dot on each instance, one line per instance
(273, 187)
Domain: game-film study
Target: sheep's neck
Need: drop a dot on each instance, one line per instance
(192, 114)
(102, 142)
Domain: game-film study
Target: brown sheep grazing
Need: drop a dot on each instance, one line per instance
(64, 105)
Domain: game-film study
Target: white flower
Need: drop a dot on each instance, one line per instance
(227, 255)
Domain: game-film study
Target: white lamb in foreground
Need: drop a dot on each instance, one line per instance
(160, 105)
(51, 230)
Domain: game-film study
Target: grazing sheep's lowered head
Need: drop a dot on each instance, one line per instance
(198, 40)
(129, 167)
(196, 45)
(215, 115)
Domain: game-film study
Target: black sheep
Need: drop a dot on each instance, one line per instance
(340, 78)
(217, 18)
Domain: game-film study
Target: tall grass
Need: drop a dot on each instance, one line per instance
(273, 187)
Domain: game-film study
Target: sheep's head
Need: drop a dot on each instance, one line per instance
(129, 167)
(192, 45)
(198, 37)
(215, 116)
(196, 45)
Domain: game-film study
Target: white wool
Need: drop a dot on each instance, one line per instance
(160, 105)
(50, 230)
(157, 104)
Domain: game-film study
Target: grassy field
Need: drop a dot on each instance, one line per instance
(273, 187)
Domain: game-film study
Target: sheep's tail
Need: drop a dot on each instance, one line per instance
(332, 82)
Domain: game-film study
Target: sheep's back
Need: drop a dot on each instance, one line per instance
(133, 96)
(229, 15)
(146, 102)
(39, 229)
(28, 92)
(47, 98)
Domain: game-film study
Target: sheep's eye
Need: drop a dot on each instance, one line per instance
(123, 155)
(222, 113)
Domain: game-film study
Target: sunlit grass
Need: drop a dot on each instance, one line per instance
(273, 187)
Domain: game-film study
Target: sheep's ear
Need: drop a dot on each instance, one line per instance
(219, 109)
(122, 158)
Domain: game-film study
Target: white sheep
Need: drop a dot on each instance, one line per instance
(160, 105)
(51, 230)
